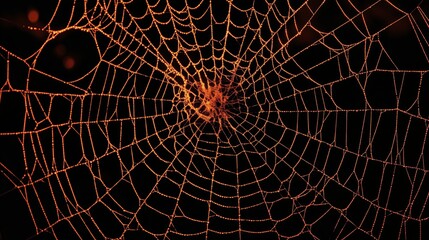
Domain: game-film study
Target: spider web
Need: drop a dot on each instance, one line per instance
(324, 135)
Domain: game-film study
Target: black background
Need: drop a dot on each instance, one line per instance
(16, 37)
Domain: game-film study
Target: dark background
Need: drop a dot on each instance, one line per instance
(73, 53)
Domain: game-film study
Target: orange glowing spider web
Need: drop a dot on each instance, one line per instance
(215, 119)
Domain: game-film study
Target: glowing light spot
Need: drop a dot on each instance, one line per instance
(33, 16)
(69, 62)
